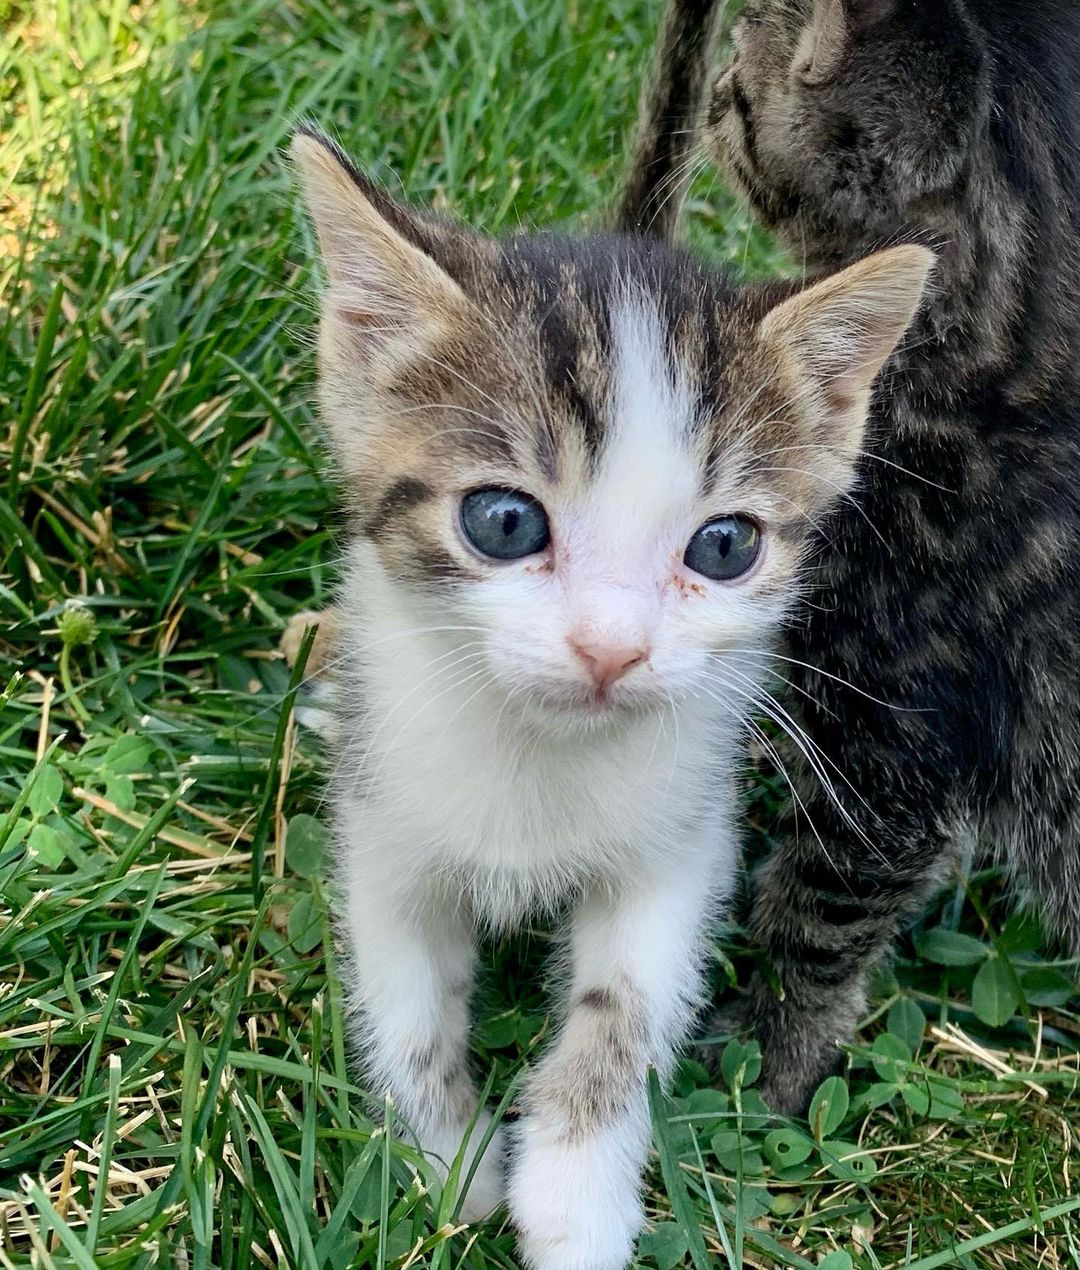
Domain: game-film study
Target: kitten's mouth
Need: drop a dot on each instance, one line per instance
(594, 706)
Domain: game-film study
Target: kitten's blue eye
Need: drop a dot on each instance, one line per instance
(724, 549)
(504, 523)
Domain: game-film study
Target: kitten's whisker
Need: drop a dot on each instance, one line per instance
(324, 674)
(825, 674)
(435, 667)
(386, 750)
(678, 743)
(736, 423)
(468, 383)
(420, 630)
(842, 494)
(345, 756)
(774, 756)
(794, 687)
(332, 564)
(775, 711)
(811, 752)
(458, 682)
(776, 759)
(487, 683)
(868, 455)
(678, 180)
(659, 732)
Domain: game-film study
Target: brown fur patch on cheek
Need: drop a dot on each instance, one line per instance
(779, 568)
(420, 545)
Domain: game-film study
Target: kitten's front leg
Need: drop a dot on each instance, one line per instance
(413, 962)
(576, 1179)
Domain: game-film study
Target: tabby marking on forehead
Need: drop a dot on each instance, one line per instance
(647, 467)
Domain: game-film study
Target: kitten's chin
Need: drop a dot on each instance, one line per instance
(582, 711)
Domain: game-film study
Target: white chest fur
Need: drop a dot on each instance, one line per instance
(440, 776)
(454, 782)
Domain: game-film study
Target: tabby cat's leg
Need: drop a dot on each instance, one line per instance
(1034, 824)
(1053, 879)
(824, 913)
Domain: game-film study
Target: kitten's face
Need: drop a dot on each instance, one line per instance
(589, 462)
(840, 120)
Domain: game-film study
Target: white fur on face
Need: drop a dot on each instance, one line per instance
(616, 576)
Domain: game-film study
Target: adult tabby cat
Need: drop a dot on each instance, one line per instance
(938, 667)
(580, 475)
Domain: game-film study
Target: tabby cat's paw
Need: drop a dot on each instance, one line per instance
(798, 1047)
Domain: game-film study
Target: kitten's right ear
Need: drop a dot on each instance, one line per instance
(830, 342)
(382, 276)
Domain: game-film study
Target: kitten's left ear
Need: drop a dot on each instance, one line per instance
(382, 260)
(832, 340)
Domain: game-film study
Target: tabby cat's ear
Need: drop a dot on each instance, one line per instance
(831, 341)
(384, 278)
(831, 26)
(863, 14)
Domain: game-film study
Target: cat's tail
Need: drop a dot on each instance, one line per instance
(666, 142)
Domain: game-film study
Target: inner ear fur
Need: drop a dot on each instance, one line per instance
(381, 273)
(830, 342)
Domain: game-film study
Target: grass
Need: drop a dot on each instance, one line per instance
(173, 1076)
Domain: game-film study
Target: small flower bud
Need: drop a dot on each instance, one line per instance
(77, 625)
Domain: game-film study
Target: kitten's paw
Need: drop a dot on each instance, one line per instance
(323, 650)
(575, 1205)
(487, 1190)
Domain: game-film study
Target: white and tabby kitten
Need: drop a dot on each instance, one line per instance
(581, 474)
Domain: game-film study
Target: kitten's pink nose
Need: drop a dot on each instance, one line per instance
(608, 663)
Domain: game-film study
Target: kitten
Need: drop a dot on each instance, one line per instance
(580, 475)
(938, 668)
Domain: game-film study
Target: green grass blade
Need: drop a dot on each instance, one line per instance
(36, 382)
(674, 1180)
(108, 1141)
(1025, 1226)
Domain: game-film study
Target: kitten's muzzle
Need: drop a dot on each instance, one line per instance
(607, 663)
